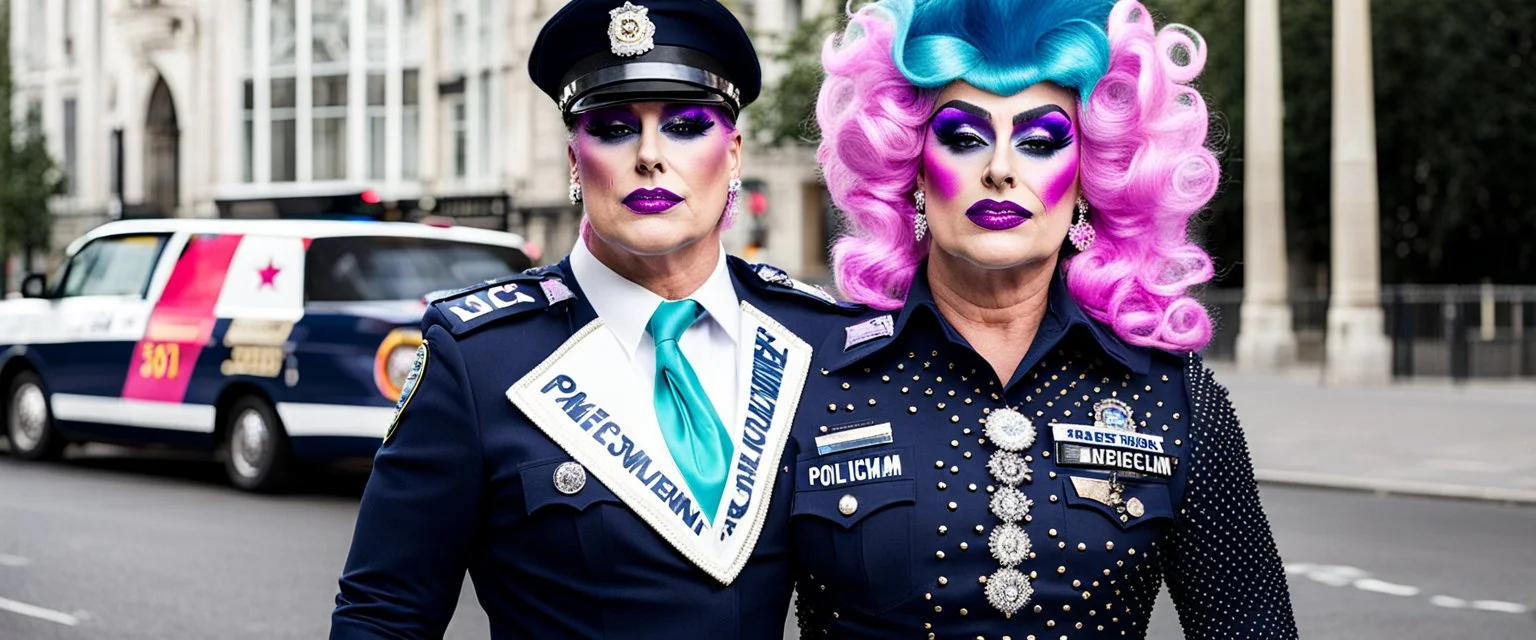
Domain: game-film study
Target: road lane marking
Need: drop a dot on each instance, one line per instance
(7, 560)
(1346, 576)
(1379, 586)
(1500, 607)
(38, 612)
(1448, 602)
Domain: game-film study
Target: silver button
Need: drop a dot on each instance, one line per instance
(570, 477)
(847, 505)
(1135, 508)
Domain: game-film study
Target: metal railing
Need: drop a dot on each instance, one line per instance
(1458, 331)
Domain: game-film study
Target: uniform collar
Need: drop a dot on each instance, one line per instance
(626, 307)
(1062, 317)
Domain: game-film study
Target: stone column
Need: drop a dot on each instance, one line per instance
(1265, 339)
(1357, 348)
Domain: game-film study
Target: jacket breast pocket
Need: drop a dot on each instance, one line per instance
(566, 514)
(858, 540)
(1134, 510)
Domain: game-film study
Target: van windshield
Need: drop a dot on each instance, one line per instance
(362, 268)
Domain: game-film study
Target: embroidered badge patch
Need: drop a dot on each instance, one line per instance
(408, 389)
(555, 291)
(881, 327)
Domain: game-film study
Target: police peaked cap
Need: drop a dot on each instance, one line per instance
(598, 53)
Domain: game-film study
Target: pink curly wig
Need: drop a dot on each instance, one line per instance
(1143, 165)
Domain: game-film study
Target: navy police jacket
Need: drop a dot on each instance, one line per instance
(933, 500)
(519, 454)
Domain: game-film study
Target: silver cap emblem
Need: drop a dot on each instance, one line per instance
(630, 31)
(570, 477)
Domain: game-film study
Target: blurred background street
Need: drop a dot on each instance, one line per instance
(114, 543)
(146, 547)
(1374, 241)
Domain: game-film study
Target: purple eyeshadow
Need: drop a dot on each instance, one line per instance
(948, 123)
(1055, 124)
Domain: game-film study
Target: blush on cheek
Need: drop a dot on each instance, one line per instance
(591, 162)
(941, 176)
(1057, 188)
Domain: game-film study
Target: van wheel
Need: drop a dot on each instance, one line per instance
(29, 420)
(257, 456)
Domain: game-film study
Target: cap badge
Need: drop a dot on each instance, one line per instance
(630, 32)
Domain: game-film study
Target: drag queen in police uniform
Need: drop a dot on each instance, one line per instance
(1023, 443)
(600, 443)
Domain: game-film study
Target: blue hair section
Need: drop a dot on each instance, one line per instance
(1001, 46)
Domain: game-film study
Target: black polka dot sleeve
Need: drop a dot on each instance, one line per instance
(1222, 567)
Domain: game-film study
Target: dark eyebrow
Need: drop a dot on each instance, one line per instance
(1037, 112)
(966, 107)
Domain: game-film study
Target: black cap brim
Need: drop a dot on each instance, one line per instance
(631, 91)
(666, 74)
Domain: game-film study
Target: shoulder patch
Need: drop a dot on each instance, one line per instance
(777, 278)
(408, 389)
(476, 306)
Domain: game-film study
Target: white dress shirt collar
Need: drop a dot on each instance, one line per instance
(626, 307)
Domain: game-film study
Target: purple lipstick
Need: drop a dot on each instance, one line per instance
(651, 201)
(997, 216)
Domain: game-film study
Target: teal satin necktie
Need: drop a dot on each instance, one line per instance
(689, 424)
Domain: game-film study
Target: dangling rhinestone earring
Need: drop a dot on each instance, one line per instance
(575, 191)
(731, 194)
(920, 222)
(1082, 234)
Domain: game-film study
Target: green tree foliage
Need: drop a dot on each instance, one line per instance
(786, 113)
(28, 175)
(1456, 138)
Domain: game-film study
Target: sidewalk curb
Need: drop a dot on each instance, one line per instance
(1396, 487)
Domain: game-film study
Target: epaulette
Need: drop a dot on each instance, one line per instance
(777, 280)
(473, 307)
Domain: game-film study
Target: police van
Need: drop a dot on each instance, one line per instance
(268, 343)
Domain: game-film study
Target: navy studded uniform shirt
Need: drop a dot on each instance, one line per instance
(520, 453)
(1137, 473)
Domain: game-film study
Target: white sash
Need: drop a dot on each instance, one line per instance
(581, 398)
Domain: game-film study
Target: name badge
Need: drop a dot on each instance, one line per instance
(1100, 436)
(1112, 459)
(853, 437)
(853, 469)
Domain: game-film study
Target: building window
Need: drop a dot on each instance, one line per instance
(284, 106)
(410, 116)
(328, 77)
(328, 31)
(378, 111)
(460, 136)
(285, 43)
(284, 132)
(70, 156)
(483, 134)
(248, 153)
(330, 127)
